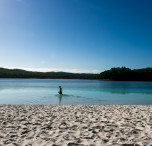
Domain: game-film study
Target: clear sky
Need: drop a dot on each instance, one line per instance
(75, 35)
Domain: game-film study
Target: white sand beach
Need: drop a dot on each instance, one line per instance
(49, 125)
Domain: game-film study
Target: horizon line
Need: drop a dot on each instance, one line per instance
(56, 70)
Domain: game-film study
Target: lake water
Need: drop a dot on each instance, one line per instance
(45, 91)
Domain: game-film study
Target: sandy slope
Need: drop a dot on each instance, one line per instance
(71, 125)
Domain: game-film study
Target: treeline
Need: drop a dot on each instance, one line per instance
(126, 74)
(119, 74)
(18, 73)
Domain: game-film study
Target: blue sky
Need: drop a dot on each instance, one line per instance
(75, 35)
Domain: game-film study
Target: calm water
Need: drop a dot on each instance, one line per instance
(45, 91)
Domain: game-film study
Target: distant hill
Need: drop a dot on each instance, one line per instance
(18, 73)
(118, 74)
(126, 74)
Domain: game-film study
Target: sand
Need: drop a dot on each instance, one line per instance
(54, 125)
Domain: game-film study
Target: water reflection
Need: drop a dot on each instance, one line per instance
(123, 92)
(60, 99)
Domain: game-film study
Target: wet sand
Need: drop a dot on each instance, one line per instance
(49, 125)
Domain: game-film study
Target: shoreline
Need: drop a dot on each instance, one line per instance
(75, 124)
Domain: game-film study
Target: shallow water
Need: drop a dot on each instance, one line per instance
(45, 91)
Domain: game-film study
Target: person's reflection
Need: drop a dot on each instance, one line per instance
(60, 98)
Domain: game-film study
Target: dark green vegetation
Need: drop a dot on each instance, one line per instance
(120, 74)
(18, 73)
(126, 74)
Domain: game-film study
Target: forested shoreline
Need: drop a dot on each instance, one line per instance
(19, 73)
(118, 74)
(126, 74)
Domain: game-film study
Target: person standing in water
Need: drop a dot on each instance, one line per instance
(60, 90)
